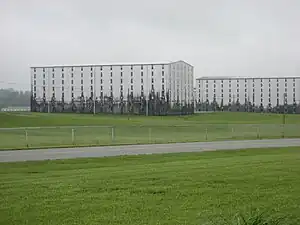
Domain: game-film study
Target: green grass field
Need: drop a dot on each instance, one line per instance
(139, 129)
(194, 188)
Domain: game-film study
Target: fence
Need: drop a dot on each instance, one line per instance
(37, 137)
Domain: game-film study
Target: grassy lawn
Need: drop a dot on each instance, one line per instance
(139, 129)
(193, 188)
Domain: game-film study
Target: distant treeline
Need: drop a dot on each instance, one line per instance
(11, 97)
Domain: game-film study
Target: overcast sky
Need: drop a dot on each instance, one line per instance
(218, 37)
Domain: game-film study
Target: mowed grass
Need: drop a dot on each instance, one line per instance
(118, 129)
(189, 188)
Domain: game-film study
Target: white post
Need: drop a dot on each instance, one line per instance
(206, 134)
(149, 134)
(147, 107)
(73, 136)
(112, 134)
(26, 138)
(257, 133)
(232, 132)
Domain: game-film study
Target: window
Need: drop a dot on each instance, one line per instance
(91, 88)
(131, 81)
(163, 66)
(44, 82)
(121, 81)
(101, 88)
(62, 75)
(142, 81)
(142, 73)
(152, 80)
(81, 81)
(121, 74)
(163, 80)
(44, 70)
(111, 74)
(131, 87)
(44, 76)
(34, 76)
(121, 68)
(110, 67)
(152, 67)
(53, 82)
(101, 75)
(141, 67)
(121, 88)
(91, 74)
(72, 88)
(52, 75)
(163, 87)
(62, 88)
(34, 88)
(72, 81)
(111, 81)
(131, 67)
(81, 68)
(142, 87)
(62, 69)
(72, 95)
(91, 81)
(53, 89)
(62, 82)
(101, 81)
(101, 68)
(81, 75)
(163, 73)
(131, 74)
(152, 74)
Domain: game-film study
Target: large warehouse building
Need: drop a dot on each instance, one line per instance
(267, 92)
(118, 83)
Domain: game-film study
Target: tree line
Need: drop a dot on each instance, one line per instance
(14, 98)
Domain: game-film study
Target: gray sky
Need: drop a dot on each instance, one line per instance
(218, 37)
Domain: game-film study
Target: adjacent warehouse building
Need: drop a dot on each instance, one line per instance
(118, 83)
(267, 92)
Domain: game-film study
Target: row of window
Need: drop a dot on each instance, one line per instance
(101, 68)
(222, 86)
(238, 95)
(253, 80)
(101, 75)
(253, 99)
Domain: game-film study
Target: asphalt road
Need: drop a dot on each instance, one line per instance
(90, 152)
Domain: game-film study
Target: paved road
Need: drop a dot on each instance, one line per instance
(89, 152)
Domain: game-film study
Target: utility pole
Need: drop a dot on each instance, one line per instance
(94, 91)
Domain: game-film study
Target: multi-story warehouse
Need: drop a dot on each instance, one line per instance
(257, 92)
(70, 83)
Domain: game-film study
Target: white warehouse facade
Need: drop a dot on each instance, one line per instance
(86, 85)
(248, 93)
